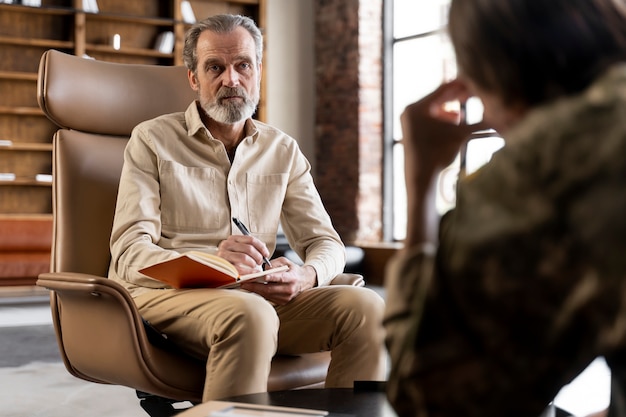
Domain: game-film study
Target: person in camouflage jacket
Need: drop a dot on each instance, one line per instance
(511, 294)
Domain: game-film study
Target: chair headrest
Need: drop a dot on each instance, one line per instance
(108, 98)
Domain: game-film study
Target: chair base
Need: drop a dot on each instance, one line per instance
(157, 406)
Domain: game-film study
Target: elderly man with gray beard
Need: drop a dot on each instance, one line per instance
(185, 176)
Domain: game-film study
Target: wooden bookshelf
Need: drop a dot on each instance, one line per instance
(26, 32)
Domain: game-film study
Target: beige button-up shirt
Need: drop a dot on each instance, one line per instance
(178, 192)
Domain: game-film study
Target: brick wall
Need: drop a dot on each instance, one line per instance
(348, 124)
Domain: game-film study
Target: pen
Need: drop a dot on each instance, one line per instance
(242, 227)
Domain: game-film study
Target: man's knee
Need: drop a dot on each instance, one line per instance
(252, 312)
(361, 307)
(362, 300)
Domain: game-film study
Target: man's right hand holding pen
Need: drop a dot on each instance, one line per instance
(244, 230)
(247, 253)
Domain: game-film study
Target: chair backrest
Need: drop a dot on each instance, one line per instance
(96, 105)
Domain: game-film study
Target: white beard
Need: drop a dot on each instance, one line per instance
(232, 112)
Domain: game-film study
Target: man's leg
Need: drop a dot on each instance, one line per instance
(236, 331)
(343, 319)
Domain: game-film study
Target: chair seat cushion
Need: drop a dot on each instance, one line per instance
(289, 372)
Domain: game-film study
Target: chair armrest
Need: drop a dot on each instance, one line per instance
(348, 279)
(71, 280)
(102, 338)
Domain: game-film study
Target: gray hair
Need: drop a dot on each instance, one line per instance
(223, 23)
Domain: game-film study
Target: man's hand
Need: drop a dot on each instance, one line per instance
(284, 286)
(245, 252)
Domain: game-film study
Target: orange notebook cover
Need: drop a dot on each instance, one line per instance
(202, 270)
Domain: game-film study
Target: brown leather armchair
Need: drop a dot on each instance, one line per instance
(101, 335)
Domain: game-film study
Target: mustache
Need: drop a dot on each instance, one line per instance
(224, 92)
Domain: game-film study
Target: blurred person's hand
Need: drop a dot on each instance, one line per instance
(433, 132)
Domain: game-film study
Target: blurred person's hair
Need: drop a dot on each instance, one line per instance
(533, 51)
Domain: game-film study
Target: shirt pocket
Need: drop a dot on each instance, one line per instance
(191, 198)
(266, 193)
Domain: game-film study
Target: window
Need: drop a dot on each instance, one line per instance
(418, 57)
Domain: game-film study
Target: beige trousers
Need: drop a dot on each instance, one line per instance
(239, 333)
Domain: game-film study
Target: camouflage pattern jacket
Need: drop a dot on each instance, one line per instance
(528, 283)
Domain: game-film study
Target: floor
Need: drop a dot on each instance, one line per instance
(34, 382)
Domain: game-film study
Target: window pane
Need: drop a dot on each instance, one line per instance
(446, 191)
(399, 193)
(412, 17)
(479, 152)
(419, 66)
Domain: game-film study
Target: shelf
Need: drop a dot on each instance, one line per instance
(17, 146)
(44, 10)
(25, 216)
(21, 111)
(18, 76)
(124, 18)
(42, 43)
(25, 181)
(106, 49)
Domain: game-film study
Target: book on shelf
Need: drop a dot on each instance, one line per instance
(165, 42)
(187, 12)
(43, 177)
(202, 270)
(31, 3)
(90, 6)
